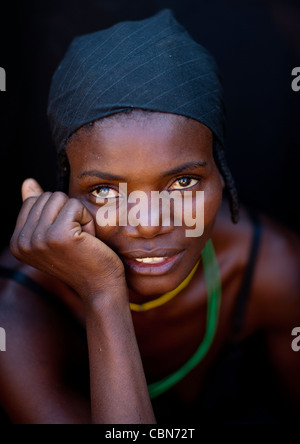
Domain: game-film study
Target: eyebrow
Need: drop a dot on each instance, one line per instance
(108, 176)
(101, 175)
(186, 166)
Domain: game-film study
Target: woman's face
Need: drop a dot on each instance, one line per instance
(147, 152)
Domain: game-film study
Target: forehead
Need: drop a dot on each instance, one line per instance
(138, 136)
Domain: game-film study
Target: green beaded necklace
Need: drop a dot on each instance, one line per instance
(214, 291)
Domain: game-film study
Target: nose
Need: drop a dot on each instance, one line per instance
(146, 219)
(146, 232)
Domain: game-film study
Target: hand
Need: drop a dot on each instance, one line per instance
(56, 234)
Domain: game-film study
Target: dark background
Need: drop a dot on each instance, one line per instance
(256, 44)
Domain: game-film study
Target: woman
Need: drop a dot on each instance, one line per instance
(129, 323)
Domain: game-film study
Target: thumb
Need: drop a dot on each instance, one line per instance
(87, 223)
(30, 188)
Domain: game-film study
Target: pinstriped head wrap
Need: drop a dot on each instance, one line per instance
(151, 64)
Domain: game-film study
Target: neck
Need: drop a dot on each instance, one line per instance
(166, 297)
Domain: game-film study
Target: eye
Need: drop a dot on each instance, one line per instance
(184, 182)
(105, 192)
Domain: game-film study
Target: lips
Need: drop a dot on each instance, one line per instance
(154, 262)
(158, 252)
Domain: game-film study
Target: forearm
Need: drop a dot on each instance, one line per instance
(119, 391)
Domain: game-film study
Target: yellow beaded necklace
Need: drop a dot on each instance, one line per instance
(166, 297)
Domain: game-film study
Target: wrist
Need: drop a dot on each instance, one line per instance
(105, 299)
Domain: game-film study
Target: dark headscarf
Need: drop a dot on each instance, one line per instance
(152, 64)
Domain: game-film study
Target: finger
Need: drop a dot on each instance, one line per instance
(25, 211)
(52, 209)
(75, 215)
(34, 214)
(89, 228)
(31, 188)
(28, 221)
(48, 215)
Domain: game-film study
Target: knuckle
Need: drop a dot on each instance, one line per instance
(28, 204)
(73, 207)
(60, 196)
(23, 244)
(45, 197)
(74, 204)
(32, 201)
(53, 238)
(29, 201)
(38, 241)
(13, 247)
(46, 194)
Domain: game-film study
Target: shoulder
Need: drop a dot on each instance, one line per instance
(42, 340)
(277, 280)
(274, 295)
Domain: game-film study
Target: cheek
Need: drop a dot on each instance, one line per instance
(108, 235)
